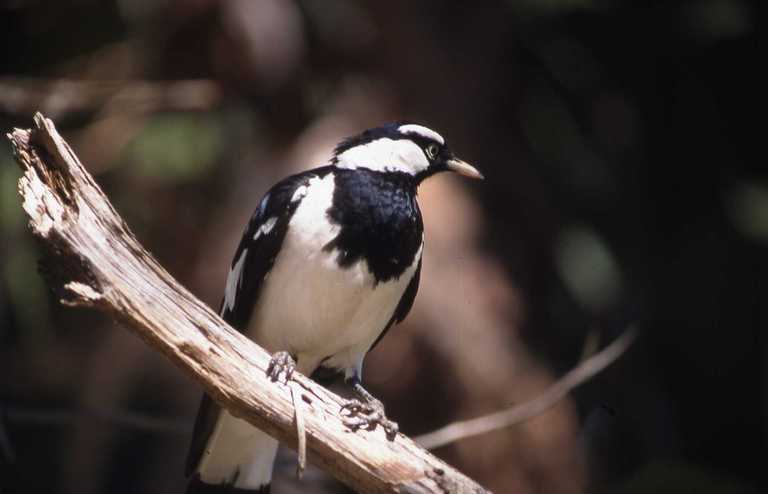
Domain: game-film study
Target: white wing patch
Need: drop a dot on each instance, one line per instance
(421, 131)
(266, 227)
(233, 282)
(299, 193)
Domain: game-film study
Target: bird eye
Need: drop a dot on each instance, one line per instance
(432, 151)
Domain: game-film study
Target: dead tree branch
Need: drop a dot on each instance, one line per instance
(529, 409)
(95, 261)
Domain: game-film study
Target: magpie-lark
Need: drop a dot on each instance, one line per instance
(329, 261)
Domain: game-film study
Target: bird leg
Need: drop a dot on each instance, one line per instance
(366, 412)
(281, 363)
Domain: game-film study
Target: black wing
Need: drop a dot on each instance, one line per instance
(405, 304)
(260, 252)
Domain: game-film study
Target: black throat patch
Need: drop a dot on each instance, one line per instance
(379, 218)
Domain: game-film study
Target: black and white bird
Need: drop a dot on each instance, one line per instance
(329, 261)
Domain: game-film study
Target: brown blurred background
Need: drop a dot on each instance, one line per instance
(624, 185)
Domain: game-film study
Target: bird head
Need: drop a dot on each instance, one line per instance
(401, 148)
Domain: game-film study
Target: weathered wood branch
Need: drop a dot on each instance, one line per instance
(95, 261)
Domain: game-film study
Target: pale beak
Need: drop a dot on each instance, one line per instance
(463, 168)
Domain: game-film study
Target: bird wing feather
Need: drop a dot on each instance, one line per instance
(404, 305)
(260, 245)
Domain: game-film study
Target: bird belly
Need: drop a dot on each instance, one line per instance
(316, 310)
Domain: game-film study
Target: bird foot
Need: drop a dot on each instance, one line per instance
(367, 415)
(281, 364)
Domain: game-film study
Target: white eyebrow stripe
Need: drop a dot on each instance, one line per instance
(422, 131)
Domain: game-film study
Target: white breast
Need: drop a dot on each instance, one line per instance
(311, 307)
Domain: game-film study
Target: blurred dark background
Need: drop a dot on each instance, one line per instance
(620, 141)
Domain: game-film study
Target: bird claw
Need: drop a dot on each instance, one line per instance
(367, 415)
(281, 364)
